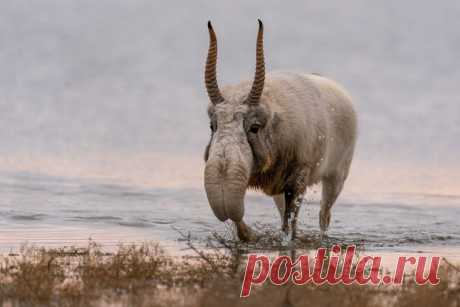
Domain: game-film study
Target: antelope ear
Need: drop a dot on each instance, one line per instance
(275, 121)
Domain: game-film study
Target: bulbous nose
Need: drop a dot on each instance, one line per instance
(226, 177)
(225, 184)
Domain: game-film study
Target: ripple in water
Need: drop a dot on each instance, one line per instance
(42, 210)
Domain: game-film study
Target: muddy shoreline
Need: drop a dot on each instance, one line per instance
(145, 275)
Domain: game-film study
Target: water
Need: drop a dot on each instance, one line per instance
(52, 211)
(103, 116)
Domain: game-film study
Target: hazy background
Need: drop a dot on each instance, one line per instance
(113, 90)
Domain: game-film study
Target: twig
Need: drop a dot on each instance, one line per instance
(222, 241)
(450, 264)
(192, 247)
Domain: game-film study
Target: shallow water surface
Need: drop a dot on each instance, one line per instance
(52, 211)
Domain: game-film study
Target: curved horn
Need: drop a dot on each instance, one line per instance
(259, 78)
(210, 72)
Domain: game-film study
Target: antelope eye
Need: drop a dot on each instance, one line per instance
(254, 128)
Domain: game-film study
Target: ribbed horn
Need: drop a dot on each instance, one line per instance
(259, 78)
(210, 73)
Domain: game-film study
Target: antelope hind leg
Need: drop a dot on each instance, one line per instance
(332, 186)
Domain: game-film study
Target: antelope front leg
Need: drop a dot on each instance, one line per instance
(245, 233)
(293, 197)
(287, 211)
(291, 213)
(297, 205)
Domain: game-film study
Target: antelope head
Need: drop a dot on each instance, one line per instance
(240, 134)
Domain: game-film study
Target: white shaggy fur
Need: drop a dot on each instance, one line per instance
(317, 121)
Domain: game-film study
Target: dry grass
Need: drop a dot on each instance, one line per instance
(144, 275)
